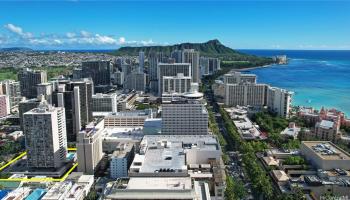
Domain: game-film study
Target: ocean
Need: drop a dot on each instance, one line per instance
(317, 78)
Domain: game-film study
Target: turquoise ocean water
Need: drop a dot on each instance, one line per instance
(318, 78)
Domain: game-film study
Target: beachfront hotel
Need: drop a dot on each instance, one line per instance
(242, 90)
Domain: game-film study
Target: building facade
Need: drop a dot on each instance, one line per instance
(184, 118)
(176, 84)
(99, 71)
(191, 56)
(209, 66)
(25, 106)
(76, 97)
(4, 105)
(327, 130)
(29, 79)
(141, 61)
(128, 118)
(104, 102)
(242, 90)
(279, 101)
(245, 94)
(12, 89)
(172, 69)
(135, 81)
(46, 137)
(121, 160)
(89, 147)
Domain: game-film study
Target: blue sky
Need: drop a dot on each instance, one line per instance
(238, 24)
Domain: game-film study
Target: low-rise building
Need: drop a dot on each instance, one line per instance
(121, 160)
(18, 194)
(245, 126)
(156, 188)
(325, 155)
(128, 118)
(327, 130)
(291, 131)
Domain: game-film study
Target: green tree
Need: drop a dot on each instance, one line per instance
(234, 189)
(92, 195)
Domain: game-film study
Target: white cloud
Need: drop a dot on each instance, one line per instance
(57, 41)
(70, 35)
(18, 30)
(84, 33)
(139, 43)
(80, 39)
(121, 40)
(105, 39)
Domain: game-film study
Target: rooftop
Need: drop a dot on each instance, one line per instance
(174, 183)
(148, 187)
(327, 150)
(122, 150)
(208, 142)
(123, 133)
(326, 124)
(135, 113)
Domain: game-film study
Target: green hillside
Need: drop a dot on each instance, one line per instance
(212, 48)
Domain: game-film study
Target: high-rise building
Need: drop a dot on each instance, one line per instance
(242, 90)
(184, 118)
(29, 79)
(118, 78)
(209, 66)
(76, 97)
(153, 60)
(191, 56)
(45, 136)
(171, 69)
(4, 105)
(279, 101)
(99, 71)
(45, 90)
(141, 61)
(177, 56)
(176, 84)
(246, 94)
(135, 81)
(188, 56)
(77, 73)
(25, 106)
(12, 89)
(89, 147)
(238, 77)
(126, 69)
(104, 102)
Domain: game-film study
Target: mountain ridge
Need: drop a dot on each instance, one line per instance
(211, 48)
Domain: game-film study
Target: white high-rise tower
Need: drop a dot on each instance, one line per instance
(46, 137)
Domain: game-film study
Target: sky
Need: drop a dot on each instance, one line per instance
(237, 24)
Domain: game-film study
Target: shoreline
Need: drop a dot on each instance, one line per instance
(252, 68)
(300, 105)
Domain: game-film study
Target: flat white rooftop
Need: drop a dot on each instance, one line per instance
(124, 133)
(209, 142)
(173, 183)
